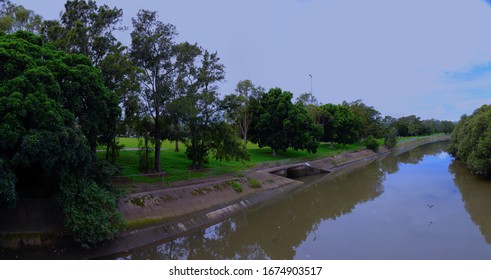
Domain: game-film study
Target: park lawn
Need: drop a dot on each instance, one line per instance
(175, 165)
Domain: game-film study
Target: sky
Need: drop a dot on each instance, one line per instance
(430, 58)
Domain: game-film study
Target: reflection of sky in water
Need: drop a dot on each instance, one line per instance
(420, 215)
(443, 155)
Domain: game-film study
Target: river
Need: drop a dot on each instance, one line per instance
(418, 205)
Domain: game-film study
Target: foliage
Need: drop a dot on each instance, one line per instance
(154, 51)
(52, 108)
(236, 186)
(225, 144)
(15, 17)
(8, 194)
(90, 212)
(390, 139)
(238, 106)
(280, 124)
(87, 29)
(312, 106)
(471, 141)
(371, 143)
(371, 119)
(342, 125)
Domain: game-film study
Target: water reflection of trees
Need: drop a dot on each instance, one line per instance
(476, 195)
(275, 231)
(390, 164)
(416, 155)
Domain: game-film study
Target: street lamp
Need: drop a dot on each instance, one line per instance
(311, 93)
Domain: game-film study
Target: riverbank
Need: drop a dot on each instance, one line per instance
(171, 212)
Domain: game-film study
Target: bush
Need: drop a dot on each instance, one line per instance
(236, 186)
(90, 212)
(253, 183)
(371, 143)
(8, 195)
(390, 139)
(471, 141)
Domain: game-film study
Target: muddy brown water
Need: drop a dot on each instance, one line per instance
(418, 205)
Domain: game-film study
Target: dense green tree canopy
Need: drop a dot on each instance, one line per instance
(371, 119)
(280, 124)
(53, 106)
(471, 141)
(342, 125)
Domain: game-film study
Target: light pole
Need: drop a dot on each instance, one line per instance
(311, 93)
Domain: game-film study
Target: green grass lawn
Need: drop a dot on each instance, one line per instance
(175, 165)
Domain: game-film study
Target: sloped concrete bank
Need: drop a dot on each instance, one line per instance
(168, 213)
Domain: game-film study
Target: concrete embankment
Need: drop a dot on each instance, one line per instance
(167, 213)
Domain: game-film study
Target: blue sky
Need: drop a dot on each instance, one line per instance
(431, 58)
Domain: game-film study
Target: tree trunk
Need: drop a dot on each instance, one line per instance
(177, 145)
(157, 147)
(93, 151)
(275, 153)
(146, 154)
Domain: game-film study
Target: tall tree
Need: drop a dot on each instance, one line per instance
(15, 17)
(86, 28)
(371, 119)
(207, 130)
(238, 106)
(154, 51)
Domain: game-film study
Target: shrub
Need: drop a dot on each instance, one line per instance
(253, 183)
(390, 139)
(371, 143)
(236, 186)
(8, 195)
(90, 212)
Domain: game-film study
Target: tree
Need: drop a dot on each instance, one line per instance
(312, 105)
(471, 141)
(15, 17)
(87, 29)
(207, 129)
(45, 137)
(447, 127)
(280, 124)
(238, 106)
(153, 50)
(371, 119)
(343, 125)
(409, 126)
